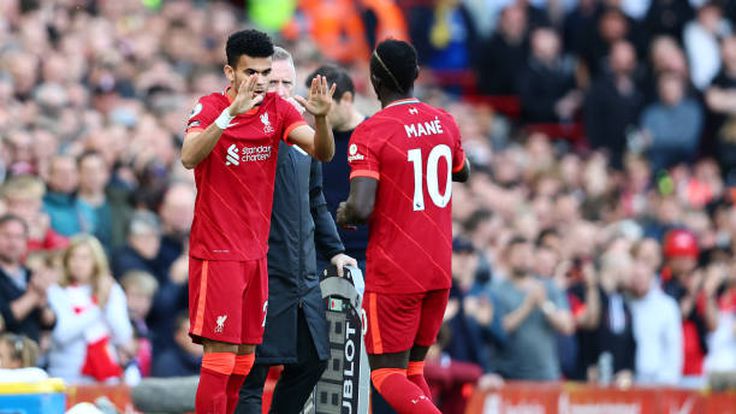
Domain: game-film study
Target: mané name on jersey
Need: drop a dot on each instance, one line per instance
(412, 149)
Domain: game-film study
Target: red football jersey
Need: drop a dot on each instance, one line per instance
(232, 212)
(412, 149)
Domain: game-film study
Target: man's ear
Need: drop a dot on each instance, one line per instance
(229, 73)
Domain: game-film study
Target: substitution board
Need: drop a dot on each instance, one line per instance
(345, 384)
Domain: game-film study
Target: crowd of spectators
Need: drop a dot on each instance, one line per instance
(606, 256)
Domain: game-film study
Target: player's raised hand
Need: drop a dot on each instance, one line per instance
(246, 98)
(319, 99)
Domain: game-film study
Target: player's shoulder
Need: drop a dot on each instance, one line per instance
(215, 99)
(435, 110)
(367, 129)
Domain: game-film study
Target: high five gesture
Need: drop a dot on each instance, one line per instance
(319, 99)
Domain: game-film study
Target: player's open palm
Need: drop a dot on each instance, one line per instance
(319, 99)
(246, 98)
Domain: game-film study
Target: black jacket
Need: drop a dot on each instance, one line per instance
(609, 114)
(32, 325)
(300, 225)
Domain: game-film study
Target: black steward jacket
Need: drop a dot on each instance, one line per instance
(301, 228)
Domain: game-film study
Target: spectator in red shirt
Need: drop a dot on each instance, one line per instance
(695, 295)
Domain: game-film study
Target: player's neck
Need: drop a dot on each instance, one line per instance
(231, 92)
(390, 98)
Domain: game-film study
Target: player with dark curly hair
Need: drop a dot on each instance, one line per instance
(231, 142)
(403, 161)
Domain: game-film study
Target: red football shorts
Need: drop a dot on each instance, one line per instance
(228, 300)
(398, 322)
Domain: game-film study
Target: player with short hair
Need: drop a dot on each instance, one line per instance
(297, 332)
(403, 161)
(232, 143)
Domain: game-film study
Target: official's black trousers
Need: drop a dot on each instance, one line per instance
(296, 383)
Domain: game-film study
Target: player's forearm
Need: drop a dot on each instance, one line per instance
(324, 142)
(197, 147)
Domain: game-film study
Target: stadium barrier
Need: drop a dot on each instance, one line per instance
(50, 397)
(571, 398)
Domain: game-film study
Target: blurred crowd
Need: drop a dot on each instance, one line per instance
(605, 255)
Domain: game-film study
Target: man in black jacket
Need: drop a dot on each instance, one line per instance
(296, 332)
(23, 305)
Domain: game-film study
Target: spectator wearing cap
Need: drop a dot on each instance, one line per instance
(696, 299)
(68, 215)
(473, 324)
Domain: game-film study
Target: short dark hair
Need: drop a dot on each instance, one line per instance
(8, 217)
(394, 62)
(335, 75)
(249, 42)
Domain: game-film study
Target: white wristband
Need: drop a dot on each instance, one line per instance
(223, 121)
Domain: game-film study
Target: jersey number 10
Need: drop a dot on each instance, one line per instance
(433, 182)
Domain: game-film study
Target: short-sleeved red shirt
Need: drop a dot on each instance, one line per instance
(412, 149)
(232, 212)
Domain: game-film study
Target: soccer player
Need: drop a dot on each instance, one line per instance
(403, 161)
(232, 141)
(297, 332)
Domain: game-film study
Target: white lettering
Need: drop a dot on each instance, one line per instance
(438, 125)
(419, 129)
(356, 157)
(348, 372)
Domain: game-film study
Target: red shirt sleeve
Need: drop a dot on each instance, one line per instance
(458, 153)
(203, 115)
(292, 118)
(362, 154)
